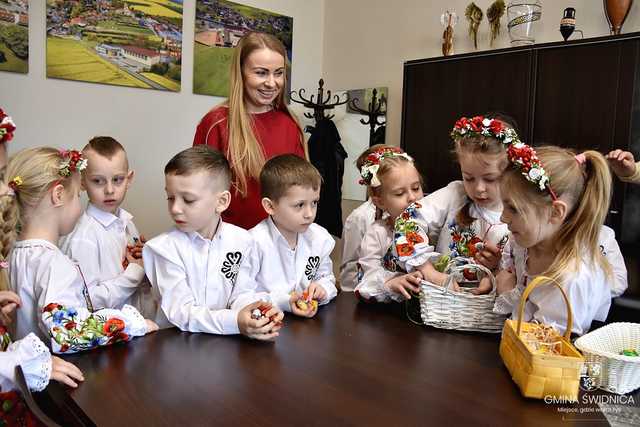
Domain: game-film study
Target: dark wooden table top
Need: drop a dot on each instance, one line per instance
(354, 364)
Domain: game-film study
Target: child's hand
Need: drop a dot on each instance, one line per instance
(489, 256)
(151, 326)
(9, 302)
(65, 372)
(484, 287)
(131, 259)
(505, 281)
(430, 274)
(316, 292)
(622, 163)
(261, 329)
(310, 311)
(403, 284)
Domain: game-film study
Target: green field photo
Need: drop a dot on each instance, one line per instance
(211, 70)
(133, 43)
(72, 60)
(10, 62)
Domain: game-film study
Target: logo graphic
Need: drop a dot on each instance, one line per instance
(590, 376)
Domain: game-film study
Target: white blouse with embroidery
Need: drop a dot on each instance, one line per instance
(436, 222)
(202, 283)
(46, 281)
(281, 270)
(353, 232)
(588, 290)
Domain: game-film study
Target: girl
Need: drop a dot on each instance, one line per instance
(355, 227)
(44, 188)
(464, 217)
(395, 184)
(254, 124)
(30, 353)
(554, 205)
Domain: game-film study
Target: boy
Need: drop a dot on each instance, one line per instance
(105, 239)
(202, 267)
(303, 272)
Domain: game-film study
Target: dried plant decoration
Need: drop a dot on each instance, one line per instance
(474, 16)
(494, 13)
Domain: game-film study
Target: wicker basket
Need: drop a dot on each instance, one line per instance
(444, 308)
(618, 374)
(541, 375)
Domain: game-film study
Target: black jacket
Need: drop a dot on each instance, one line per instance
(327, 154)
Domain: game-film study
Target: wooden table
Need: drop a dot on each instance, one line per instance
(354, 364)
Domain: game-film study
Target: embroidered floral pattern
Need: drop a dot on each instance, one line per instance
(390, 262)
(73, 335)
(231, 266)
(464, 241)
(5, 338)
(311, 268)
(14, 412)
(405, 231)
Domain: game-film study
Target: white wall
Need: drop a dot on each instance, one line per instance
(367, 41)
(152, 125)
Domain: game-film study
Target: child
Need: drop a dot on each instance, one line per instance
(554, 205)
(353, 232)
(464, 217)
(202, 268)
(395, 184)
(101, 241)
(45, 204)
(624, 166)
(293, 255)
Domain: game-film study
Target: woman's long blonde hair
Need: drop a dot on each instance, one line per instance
(244, 151)
(38, 169)
(586, 187)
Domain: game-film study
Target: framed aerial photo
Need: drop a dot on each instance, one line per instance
(219, 26)
(14, 36)
(118, 42)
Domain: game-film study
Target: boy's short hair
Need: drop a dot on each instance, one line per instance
(105, 146)
(200, 158)
(283, 172)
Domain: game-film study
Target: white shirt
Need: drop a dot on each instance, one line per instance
(42, 275)
(437, 219)
(281, 270)
(588, 291)
(33, 356)
(202, 283)
(611, 251)
(379, 263)
(99, 244)
(353, 232)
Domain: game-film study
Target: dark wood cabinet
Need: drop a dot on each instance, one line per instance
(582, 94)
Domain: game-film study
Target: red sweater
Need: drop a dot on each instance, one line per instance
(275, 131)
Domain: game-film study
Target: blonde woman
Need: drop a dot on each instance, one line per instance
(254, 124)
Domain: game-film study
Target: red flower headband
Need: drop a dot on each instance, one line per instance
(369, 169)
(521, 156)
(7, 127)
(72, 161)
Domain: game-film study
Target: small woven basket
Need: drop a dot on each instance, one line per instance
(442, 307)
(541, 375)
(618, 374)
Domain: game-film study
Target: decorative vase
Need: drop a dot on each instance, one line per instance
(616, 12)
(524, 17)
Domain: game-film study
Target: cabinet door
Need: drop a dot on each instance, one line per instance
(437, 93)
(583, 99)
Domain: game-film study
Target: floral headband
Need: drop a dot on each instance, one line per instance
(7, 127)
(72, 161)
(369, 170)
(521, 156)
(484, 126)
